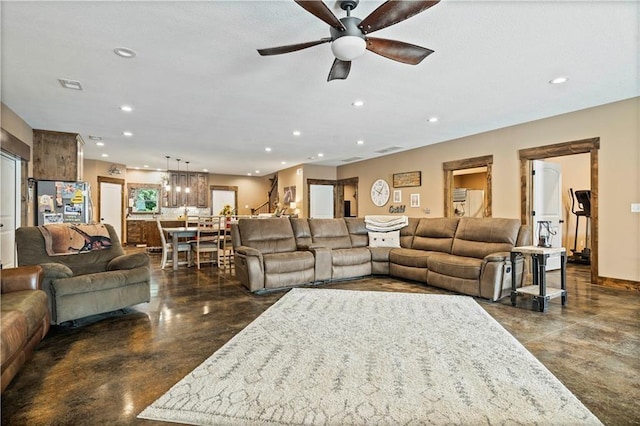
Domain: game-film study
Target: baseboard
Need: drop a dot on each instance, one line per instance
(618, 283)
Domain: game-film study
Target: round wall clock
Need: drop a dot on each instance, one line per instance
(380, 192)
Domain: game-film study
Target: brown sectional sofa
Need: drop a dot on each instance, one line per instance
(25, 317)
(465, 255)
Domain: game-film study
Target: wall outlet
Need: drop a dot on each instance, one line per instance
(635, 207)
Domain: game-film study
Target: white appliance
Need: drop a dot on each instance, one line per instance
(468, 202)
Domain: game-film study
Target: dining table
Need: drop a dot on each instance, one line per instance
(177, 233)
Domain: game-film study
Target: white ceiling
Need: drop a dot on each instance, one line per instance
(201, 92)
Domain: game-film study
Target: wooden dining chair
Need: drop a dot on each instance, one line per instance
(225, 248)
(206, 244)
(167, 249)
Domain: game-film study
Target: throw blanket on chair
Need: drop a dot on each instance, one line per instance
(385, 223)
(63, 239)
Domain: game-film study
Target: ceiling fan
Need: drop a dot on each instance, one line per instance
(349, 38)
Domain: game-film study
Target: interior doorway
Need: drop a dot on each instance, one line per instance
(453, 200)
(9, 208)
(588, 146)
(111, 203)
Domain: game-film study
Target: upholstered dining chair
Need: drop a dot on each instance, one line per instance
(167, 248)
(206, 244)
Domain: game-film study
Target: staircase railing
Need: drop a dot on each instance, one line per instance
(262, 208)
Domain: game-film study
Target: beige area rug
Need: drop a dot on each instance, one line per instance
(336, 357)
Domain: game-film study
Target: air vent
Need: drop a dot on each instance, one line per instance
(350, 159)
(70, 84)
(389, 149)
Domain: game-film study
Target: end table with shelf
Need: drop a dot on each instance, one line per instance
(541, 294)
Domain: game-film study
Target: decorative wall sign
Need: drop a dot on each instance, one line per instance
(397, 209)
(401, 180)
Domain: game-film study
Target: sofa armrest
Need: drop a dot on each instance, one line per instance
(22, 278)
(323, 262)
(54, 271)
(128, 261)
(249, 251)
(498, 257)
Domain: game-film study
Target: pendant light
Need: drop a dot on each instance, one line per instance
(187, 188)
(167, 183)
(178, 189)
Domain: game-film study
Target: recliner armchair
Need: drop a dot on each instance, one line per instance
(84, 284)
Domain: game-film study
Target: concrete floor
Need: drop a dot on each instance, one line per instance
(107, 371)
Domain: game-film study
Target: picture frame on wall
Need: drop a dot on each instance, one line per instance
(397, 196)
(415, 200)
(407, 179)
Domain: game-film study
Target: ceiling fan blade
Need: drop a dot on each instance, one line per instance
(292, 47)
(321, 11)
(393, 11)
(398, 50)
(339, 70)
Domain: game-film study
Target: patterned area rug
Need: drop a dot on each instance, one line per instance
(335, 357)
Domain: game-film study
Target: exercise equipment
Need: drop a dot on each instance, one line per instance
(583, 199)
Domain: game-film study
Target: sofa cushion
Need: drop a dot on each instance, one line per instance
(330, 233)
(479, 237)
(357, 231)
(13, 333)
(455, 266)
(32, 304)
(409, 257)
(435, 234)
(301, 232)
(407, 233)
(98, 282)
(278, 263)
(348, 257)
(267, 235)
(384, 239)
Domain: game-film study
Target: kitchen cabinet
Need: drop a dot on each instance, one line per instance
(198, 195)
(57, 156)
(146, 231)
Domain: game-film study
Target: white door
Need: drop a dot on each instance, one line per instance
(220, 198)
(321, 201)
(547, 204)
(111, 205)
(9, 209)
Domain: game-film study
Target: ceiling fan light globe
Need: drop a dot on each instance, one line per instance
(348, 48)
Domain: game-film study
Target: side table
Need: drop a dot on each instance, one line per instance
(539, 290)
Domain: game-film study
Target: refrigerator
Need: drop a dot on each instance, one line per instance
(62, 202)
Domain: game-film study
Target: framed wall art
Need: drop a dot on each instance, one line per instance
(401, 180)
(397, 196)
(415, 200)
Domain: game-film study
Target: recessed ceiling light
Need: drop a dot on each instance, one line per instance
(433, 119)
(360, 142)
(248, 174)
(320, 154)
(99, 143)
(124, 52)
(70, 84)
(559, 80)
(357, 103)
(126, 108)
(205, 170)
(127, 133)
(283, 162)
(257, 171)
(296, 133)
(158, 170)
(268, 149)
(145, 166)
(105, 155)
